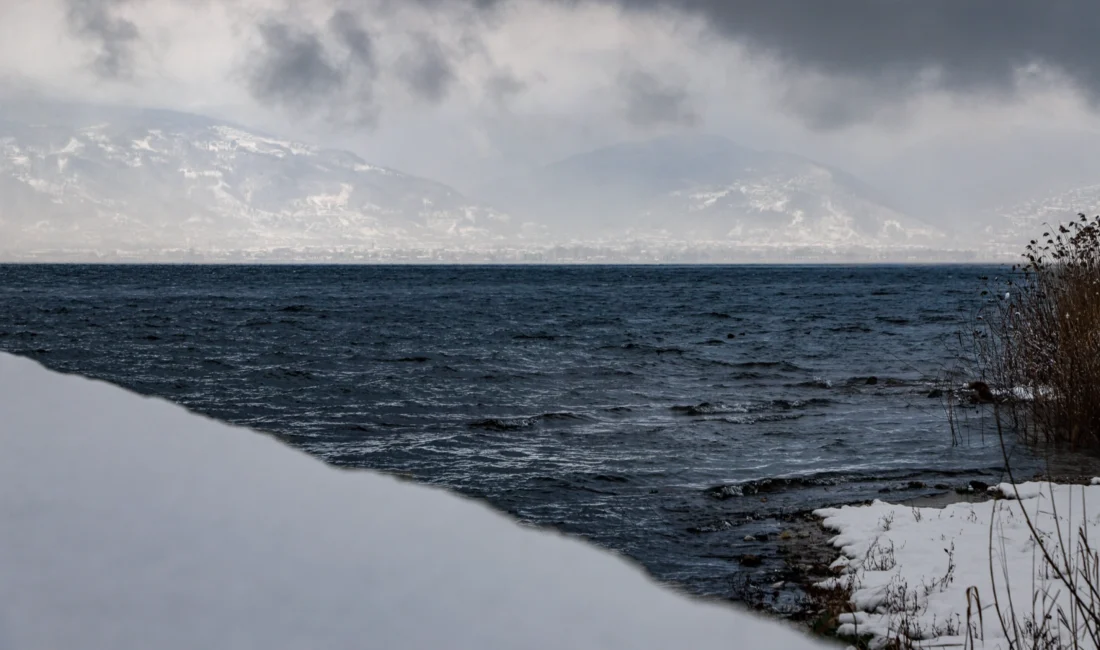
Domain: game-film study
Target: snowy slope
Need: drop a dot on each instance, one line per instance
(1016, 224)
(127, 523)
(101, 178)
(708, 189)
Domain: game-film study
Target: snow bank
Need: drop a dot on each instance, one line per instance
(910, 569)
(129, 523)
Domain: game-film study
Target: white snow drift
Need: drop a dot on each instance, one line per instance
(916, 571)
(129, 523)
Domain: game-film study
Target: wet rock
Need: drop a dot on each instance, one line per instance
(885, 490)
(981, 394)
(731, 336)
(979, 486)
(750, 538)
(750, 560)
(934, 393)
(942, 486)
(871, 381)
(723, 492)
(916, 485)
(786, 535)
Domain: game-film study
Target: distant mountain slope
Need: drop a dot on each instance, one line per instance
(1016, 224)
(94, 178)
(705, 188)
(958, 178)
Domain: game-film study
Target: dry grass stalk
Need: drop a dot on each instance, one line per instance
(1037, 343)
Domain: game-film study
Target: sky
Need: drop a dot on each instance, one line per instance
(467, 91)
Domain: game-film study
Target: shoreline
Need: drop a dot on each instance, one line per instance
(812, 561)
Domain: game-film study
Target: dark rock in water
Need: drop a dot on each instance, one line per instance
(982, 393)
(885, 490)
(935, 392)
(871, 381)
(731, 336)
(723, 492)
(751, 560)
(942, 486)
(979, 486)
(916, 485)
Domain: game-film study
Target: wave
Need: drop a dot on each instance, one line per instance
(758, 419)
(780, 365)
(800, 403)
(816, 382)
(540, 336)
(521, 423)
(642, 347)
(718, 408)
(707, 408)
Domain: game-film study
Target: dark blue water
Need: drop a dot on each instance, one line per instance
(607, 402)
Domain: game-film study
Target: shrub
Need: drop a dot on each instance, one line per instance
(1037, 342)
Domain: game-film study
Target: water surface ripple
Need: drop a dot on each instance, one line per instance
(649, 409)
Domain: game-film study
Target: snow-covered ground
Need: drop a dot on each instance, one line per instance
(129, 523)
(917, 572)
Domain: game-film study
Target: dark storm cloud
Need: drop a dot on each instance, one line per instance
(112, 36)
(906, 46)
(304, 69)
(650, 101)
(886, 51)
(345, 25)
(426, 69)
(881, 53)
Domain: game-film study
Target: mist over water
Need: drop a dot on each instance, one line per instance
(664, 412)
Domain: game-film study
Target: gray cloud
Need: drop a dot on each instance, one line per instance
(650, 101)
(345, 25)
(890, 50)
(961, 46)
(426, 70)
(895, 49)
(113, 37)
(503, 86)
(298, 68)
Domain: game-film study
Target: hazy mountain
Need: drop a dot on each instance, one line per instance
(706, 188)
(1011, 226)
(94, 178)
(101, 179)
(967, 180)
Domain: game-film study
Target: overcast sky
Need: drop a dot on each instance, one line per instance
(466, 90)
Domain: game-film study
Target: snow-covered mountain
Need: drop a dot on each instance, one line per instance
(708, 189)
(101, 179)
(79, 181)
(1015, 224)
